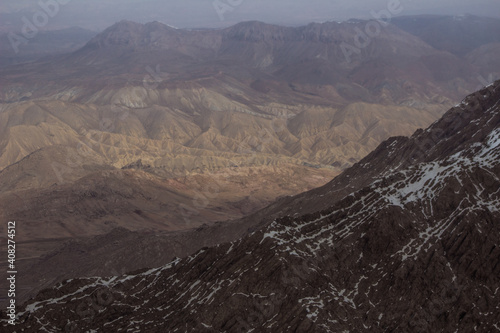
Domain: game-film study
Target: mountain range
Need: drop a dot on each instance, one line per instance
(198, 136)
(410, 244)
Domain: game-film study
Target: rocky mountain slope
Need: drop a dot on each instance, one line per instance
(413, 246)
(169, 123)
(93, 199)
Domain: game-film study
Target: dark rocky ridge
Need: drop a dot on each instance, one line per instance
(414, 250)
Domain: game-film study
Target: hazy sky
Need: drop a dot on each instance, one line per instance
(98, 14)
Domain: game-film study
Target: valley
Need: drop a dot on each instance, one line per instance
(147, 142)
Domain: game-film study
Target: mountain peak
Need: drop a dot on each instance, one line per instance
(131, 34)
(125, 25)
(122, 33)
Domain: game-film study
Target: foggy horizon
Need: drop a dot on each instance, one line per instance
(96, 16)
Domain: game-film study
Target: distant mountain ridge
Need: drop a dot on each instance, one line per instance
(312, 54)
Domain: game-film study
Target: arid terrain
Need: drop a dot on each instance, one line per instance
(146, 137)
(404, 240)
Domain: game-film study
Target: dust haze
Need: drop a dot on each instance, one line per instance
(98, 14)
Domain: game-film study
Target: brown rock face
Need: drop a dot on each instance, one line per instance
(413, 247)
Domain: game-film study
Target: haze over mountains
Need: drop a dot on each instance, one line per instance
(153, 128)
(307, 65)
(98, 15)
(45, 43)
(410, 245)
